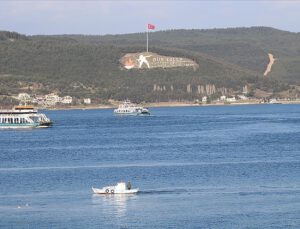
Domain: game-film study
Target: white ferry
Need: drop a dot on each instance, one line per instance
(23, 117)
(120, 188)
(128, 108)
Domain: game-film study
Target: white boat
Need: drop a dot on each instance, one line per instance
(23, 117)
(120, 188)
(128, 108)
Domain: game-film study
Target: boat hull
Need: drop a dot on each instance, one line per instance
(46, 124)
(25, 125)
(18, 126)
(109, 192)
(132, 114)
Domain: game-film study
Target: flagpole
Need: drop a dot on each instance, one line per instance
(147, 37)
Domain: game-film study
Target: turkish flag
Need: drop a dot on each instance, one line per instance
(150, 26)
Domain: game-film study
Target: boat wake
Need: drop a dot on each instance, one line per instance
(242, 191)
(158, 192)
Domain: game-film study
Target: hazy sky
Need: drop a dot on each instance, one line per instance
(114, 17)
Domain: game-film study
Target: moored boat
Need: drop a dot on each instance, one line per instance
(23, 117)
(120, 188)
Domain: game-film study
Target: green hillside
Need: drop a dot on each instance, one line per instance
(88, 66)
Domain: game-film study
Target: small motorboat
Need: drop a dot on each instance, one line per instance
(120, 188)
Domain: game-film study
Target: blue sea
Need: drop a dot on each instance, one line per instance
(196, 167)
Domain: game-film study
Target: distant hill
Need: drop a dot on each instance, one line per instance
(88, 65)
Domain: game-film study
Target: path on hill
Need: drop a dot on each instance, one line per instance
(271, 62)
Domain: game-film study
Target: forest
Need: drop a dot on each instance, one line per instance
(88, 65)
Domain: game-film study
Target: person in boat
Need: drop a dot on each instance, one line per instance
(128, 185)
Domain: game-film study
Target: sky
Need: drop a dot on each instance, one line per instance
(33, 17)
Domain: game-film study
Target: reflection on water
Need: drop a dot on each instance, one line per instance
(113, 205)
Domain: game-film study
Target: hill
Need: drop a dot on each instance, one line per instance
(88, 65)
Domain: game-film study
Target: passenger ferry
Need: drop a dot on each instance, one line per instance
(23, 117)
(128, 108)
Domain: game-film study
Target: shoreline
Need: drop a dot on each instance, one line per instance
(169, 104)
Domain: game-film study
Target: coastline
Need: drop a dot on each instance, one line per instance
(80, 107)
(169, 104)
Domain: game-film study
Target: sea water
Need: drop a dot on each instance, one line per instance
(196, 167)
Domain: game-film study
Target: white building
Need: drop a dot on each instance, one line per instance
(23, 96)
(245, 89)
(233, 99)
(40, 99)
(52, 99)
(66, 99)
(242, 97)
(87, 101)
(223, 98)
(204, 99)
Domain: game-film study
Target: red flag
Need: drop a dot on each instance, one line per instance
(150, 26)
